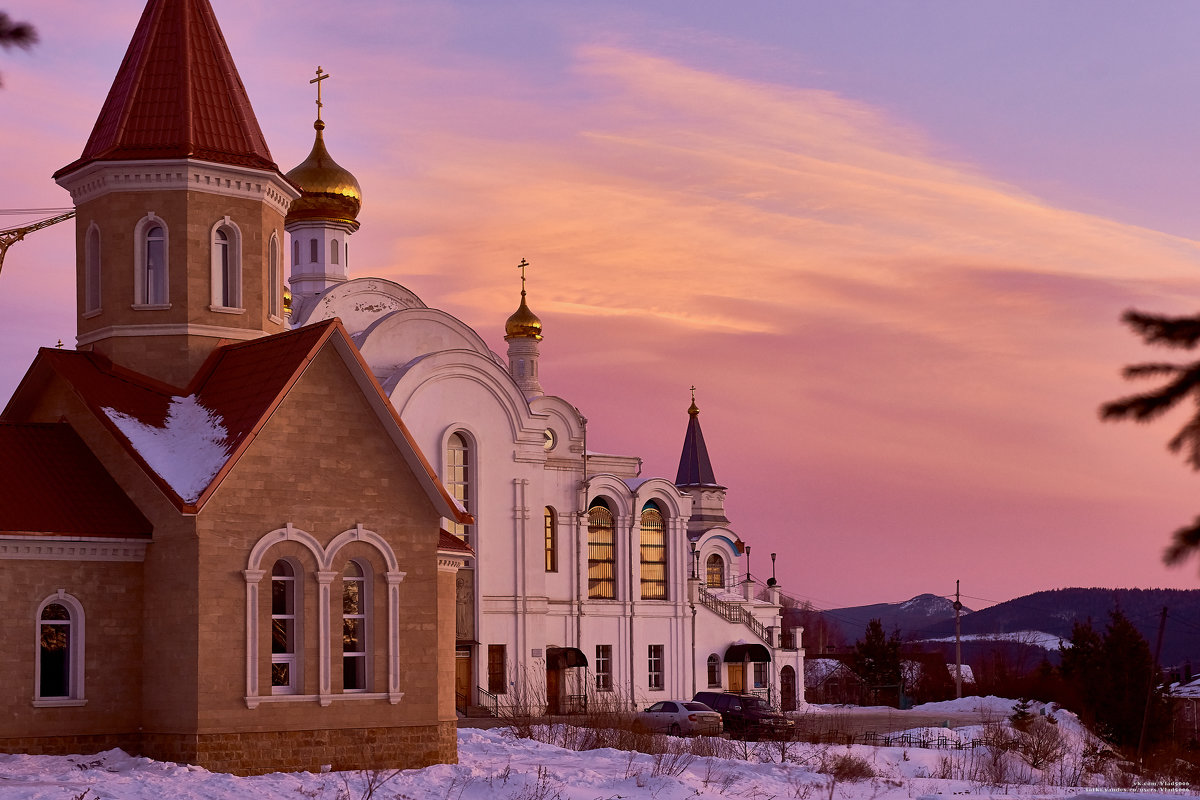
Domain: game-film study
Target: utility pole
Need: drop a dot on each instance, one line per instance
(1162, 624)
(957, 643)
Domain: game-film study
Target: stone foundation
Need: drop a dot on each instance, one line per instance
(408, 747)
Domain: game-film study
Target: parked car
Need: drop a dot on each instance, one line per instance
(678, 717)
(748, 715)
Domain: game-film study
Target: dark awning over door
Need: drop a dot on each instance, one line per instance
(737, 653)
(565, 657)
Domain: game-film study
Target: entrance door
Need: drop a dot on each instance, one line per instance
(737, 677)
(553, 690)
(787, 688)
(462, 678)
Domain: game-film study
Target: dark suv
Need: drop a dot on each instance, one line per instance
(747, 715)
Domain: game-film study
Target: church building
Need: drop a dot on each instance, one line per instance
(219, 542)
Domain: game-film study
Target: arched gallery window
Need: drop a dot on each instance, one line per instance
(715, 572)
(333, 251)
(459, 476)
(59, 676)
(551, 540)
(274, 283)
(285, 629)
(354, 627)
(295, 252)
(654, 554)
(151, 285)
(602, 573)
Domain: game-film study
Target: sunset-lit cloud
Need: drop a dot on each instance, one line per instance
(899, 352)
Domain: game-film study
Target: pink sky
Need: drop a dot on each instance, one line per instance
(889, 245)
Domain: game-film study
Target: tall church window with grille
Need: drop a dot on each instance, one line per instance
(497, 669)
(551, 521)
(714, 569)
(654, 554)
(459, 474)
(91, 270)
(285, 633)
(602, 573)
(354, 628)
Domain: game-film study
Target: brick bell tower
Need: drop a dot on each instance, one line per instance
(179, 206)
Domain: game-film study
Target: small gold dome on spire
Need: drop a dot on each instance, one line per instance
(328, 191)
(523, 324)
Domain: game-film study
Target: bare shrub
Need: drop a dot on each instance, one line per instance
(370, 781)
(847, 767)
(1041, 744)
(674, 761)
(542, 787)
(718, 776)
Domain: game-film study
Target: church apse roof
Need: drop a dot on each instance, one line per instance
(177, 94)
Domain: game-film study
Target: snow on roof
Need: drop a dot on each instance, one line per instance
(1187, 690)
(186, 452)
(968, 676)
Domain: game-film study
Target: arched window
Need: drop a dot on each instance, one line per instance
(285, 629)
(274, 284)
(355, 631)
(295, 252)
(602, 573)
(91, 270)
(59, 676)
(714, 670)
(459, 474)
(715, 572)
(654, 554)
(551, 540)
(226, 265)
(333, 251)
(312, 250)
(150, 278)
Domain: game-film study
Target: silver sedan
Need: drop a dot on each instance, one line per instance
(678, 717)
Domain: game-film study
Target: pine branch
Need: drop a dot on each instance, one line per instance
(16, 34)
(1151, 405)
(1185, 542)
(1150, 370)
(1169, 331)
(1188, 438)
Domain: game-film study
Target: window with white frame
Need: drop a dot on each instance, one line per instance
(654, 554)
(58, 679)
(285, 630)
(604, 667)
(151, 273)
(354, 628)
(226, 265)
(654, 679)
(459, 475)
(91, 270)
(274, 282)
(714, 670)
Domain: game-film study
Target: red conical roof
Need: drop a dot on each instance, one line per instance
(177, 95)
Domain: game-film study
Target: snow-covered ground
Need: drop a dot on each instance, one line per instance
(1046, 641)
(495, 765)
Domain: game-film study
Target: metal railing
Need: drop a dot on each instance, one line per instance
(735, 612)
(489, 701)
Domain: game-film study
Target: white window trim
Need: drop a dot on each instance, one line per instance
(471, 441)
(324, 557)
(295, 659)
(77, 640)
(235, 262)
(139, 262)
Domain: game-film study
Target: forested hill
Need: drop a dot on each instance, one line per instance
(1055, 611)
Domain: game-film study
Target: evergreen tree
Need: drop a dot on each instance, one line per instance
(876, 657)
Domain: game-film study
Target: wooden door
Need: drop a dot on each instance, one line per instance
(737, 677)
(462, 679)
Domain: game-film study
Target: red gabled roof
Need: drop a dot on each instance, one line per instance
(53, 485)
(177, 94)
(242, 383)
(449, 543)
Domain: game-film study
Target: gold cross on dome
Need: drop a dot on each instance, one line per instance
(693, 394)
(321, 75)
(522, 267)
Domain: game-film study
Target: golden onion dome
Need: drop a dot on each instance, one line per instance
(523, 324)
(328, 191)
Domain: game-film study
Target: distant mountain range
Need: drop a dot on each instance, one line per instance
(1038, 620)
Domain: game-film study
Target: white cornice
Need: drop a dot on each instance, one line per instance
(102, 177)
(62, 548)
(180, 329)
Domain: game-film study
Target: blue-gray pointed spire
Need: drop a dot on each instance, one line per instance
(695, 469)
